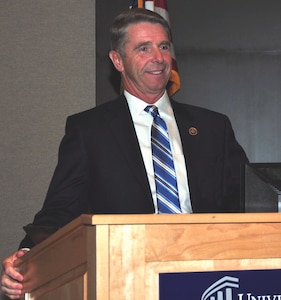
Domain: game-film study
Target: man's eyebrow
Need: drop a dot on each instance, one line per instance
(144, 43)
(166, 43)
(147, 43)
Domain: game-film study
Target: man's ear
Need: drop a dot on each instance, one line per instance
(116, 60)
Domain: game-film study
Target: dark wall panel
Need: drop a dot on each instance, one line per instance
(229, 58)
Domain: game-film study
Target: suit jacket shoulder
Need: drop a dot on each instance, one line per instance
(99, 115)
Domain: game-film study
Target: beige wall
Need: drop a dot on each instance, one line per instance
(47, 63)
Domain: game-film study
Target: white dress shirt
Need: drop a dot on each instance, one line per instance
(143, 122)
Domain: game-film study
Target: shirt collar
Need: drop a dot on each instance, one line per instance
(137, 105)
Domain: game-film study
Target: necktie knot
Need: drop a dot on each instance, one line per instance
(153, 110)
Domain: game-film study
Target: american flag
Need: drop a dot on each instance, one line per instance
(160, 6)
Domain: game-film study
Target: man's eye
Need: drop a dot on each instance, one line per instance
(144, 49)
(165, 47)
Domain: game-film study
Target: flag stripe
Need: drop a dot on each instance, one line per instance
(161, 3)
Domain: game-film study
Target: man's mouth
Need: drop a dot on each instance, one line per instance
(156, 72)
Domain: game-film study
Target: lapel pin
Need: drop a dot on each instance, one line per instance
(193, 131)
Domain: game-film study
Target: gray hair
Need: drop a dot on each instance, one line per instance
(119, 28)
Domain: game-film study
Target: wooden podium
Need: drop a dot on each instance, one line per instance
(114, 257)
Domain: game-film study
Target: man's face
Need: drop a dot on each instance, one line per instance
(146, 66)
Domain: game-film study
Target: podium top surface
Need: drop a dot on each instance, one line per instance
(161, 219)
(180, 218)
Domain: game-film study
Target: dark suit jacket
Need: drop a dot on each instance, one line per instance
(101, 171)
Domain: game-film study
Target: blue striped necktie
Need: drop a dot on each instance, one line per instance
(164, 170)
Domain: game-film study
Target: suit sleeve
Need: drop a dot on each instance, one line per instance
(66, 197)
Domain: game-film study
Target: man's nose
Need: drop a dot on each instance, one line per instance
(158, 55)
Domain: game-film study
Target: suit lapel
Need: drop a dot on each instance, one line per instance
(123, 131)
(188, 131)
(190, 137)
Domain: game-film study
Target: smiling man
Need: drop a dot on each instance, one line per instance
(141, 152)
(145, 62)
